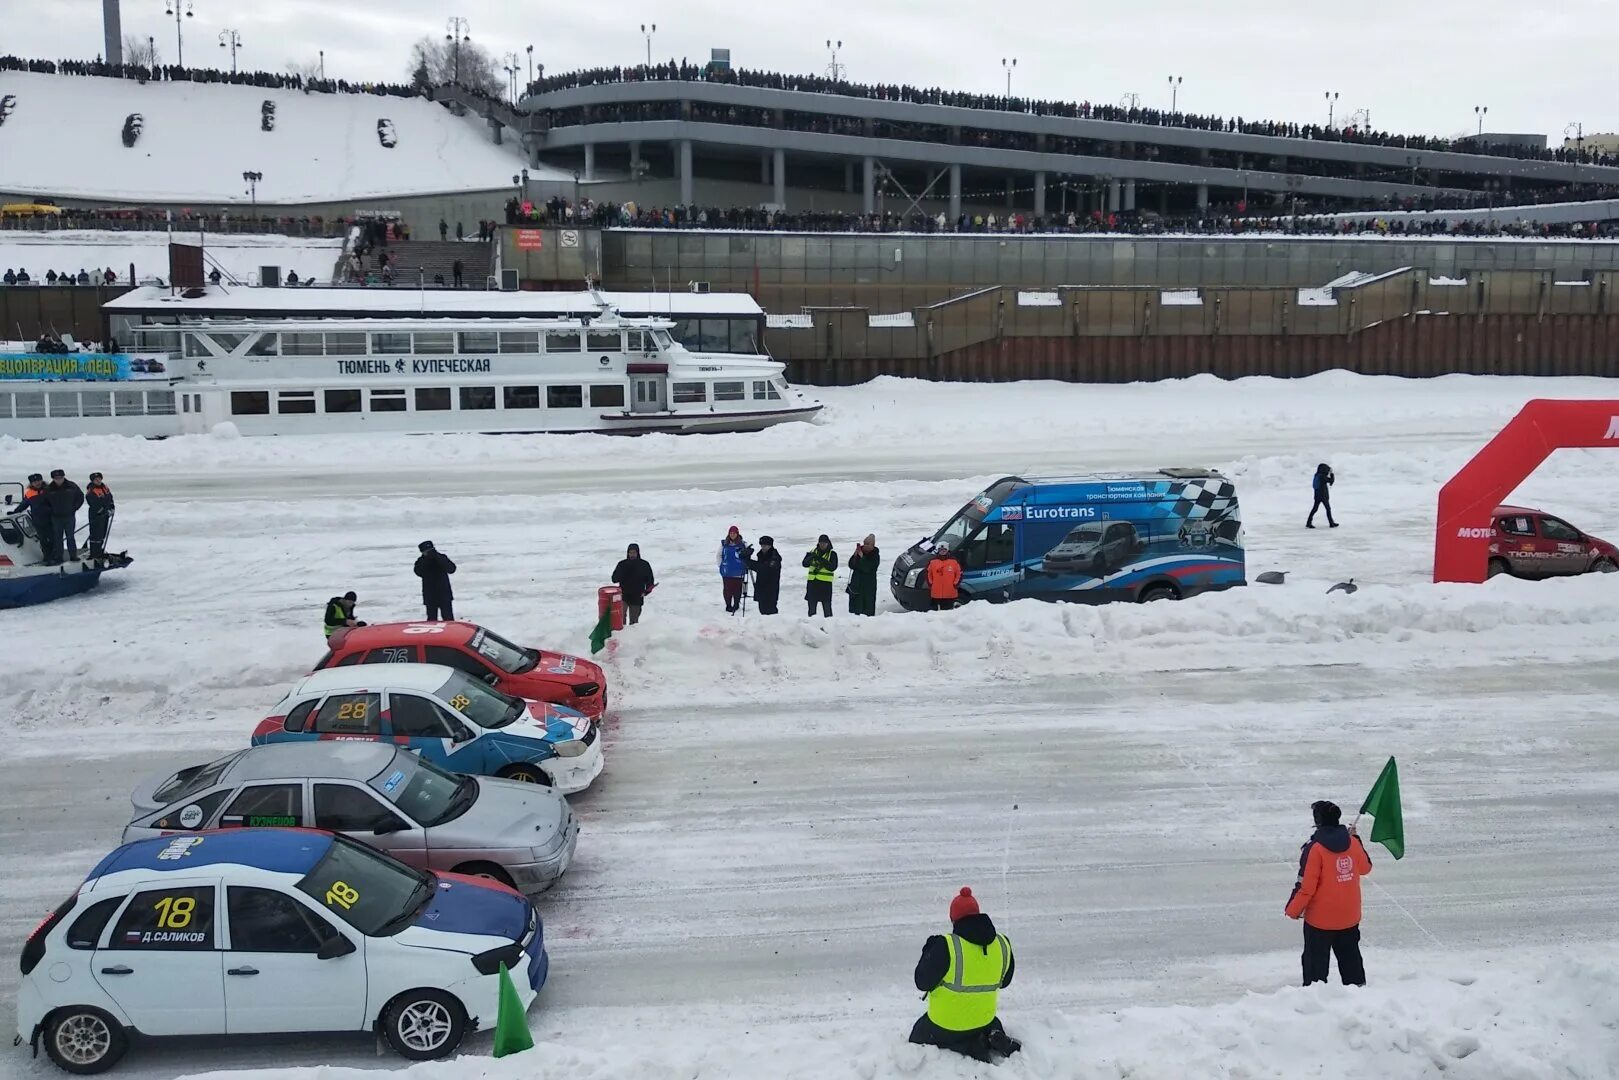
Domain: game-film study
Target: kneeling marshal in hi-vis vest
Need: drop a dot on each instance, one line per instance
(962, 974)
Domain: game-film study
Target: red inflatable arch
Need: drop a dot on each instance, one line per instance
(1461, 547)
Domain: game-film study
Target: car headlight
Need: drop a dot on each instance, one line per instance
(488, 963)
(571, 748)
(913, 577)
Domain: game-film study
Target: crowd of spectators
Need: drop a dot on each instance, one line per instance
(103, 275)
(1084, 110)
(146, 219)
(269, 80)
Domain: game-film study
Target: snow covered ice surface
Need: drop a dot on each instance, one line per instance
(789, 804)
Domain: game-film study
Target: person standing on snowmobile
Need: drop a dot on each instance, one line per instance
(863, 566)
(434, 568)
(733, 563)
(64, 499)
(99, 498)
(962, 973)
(1327, 897)
(766, 567)
(822, 563)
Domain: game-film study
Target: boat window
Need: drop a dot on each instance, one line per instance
(478, 341)
(342, 401)
(345, 344)
(63, 404)
(32, 406)
(160, 340)
(519, 341)
(124, 403)
(5, 407)
(562, 341)
(389, 343)
(432, 398)
(242, 403)
(686, 332)
(661, 339)
(633, 341)
(94, 402)
(603, 341)
(306, 344)
(195, 347)
(227, 342)
(160, 403)
(687, 393)
(714, 335)
(295, 402)
(772, 394)
(761, 389)
(268, 344)
(729, 391)
(742, 336)
(603, 396)
(565, 397)
(522, 397)
(477, 397)
(387, 401)
(434, 343)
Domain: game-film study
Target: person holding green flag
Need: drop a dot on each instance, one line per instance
(1327, 897)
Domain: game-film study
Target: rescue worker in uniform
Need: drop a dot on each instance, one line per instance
(822, 563)
(39, 513)
(633, 576)
(766, 567)
(64, 499)
(962, 973)
(434, 568)
(340, 613)
(98, 496)
(944, 580)
(1327, 897)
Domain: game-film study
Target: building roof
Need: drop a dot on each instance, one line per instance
(215, 300)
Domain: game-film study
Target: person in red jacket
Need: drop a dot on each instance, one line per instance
(1327, 897)
(944, 579)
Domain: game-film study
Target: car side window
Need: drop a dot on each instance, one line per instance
(349, 659)
(176, 919)
(298, 717)
(1553, 529)
(393, 654)
(263, 920)
(1118, 531)
(1516, 526)
(266, 805)
(192, 813)
(417, 717)
(350, 714)
(455, 658)
(85, 933)
(341, 808)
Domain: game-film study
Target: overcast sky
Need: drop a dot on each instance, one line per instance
(1416, 65)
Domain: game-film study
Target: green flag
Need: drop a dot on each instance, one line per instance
(1383, 803)
(511, 1021)
(603, 631)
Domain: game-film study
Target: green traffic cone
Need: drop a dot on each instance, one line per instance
(511, 1022)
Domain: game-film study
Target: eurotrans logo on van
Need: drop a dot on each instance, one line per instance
(1466, 533)
(1058, 513)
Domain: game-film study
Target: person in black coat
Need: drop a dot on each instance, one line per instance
(64, 498)
(99, 498)
(633, 576)
(766, 567)
(1322, 485)
(434, 568)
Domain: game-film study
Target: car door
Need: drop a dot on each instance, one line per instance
(353, 715)
(267, 805)
(1518, 543)
(162, 963)
(1567, 550)
(419, 723)
(347, 806)
(276, 978)
(988, 569)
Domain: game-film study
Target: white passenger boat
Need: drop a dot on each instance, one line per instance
(312, 361)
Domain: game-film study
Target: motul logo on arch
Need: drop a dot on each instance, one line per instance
(1466, 533)
(1613, 428)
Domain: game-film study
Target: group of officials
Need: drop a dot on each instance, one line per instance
(53, 509)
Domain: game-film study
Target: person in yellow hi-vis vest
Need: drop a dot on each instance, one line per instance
(962, 973)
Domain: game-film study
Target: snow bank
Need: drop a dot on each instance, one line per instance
(240, 255)
(63, 139)
(1557, 1018)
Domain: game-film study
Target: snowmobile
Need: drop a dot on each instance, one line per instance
(26, 578)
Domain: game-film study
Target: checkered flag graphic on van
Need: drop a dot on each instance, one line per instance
(1203, 499)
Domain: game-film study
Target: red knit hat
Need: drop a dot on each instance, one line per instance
(963, 905)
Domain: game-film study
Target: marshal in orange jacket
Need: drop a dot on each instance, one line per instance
(1331, 865)
(944, 577)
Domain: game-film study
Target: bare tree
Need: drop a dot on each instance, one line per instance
(474, 68)
(141, 52)
(307, 70)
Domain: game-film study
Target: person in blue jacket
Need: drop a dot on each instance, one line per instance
(1323, 495)
(733, 563)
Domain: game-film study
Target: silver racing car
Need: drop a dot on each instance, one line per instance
(522, 835)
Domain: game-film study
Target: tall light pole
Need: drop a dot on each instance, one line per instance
(531, 65)
(1175, 92)
(323, 65)
(1576, 131)
(514, 68)
(1481, 111)
(233, 39)
(834, 70)
(647, 30)
(253, 179)
(1332, 106)
(459, 33)
(1008, 66)
(181, 10)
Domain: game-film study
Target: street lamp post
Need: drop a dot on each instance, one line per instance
(834, 70)
(253, 179)
(1008, 66)
(323, 65)
(514, 68)
(647, 30)
(181, 10)
(459, 33)
(1332, 106)
(1175, 92)
(531, 65)
(233, 39)
(1481, 111)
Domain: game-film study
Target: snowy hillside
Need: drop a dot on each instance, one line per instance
(63, 138)
(70, 250)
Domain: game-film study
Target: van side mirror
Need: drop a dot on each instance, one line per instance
(333, 947)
